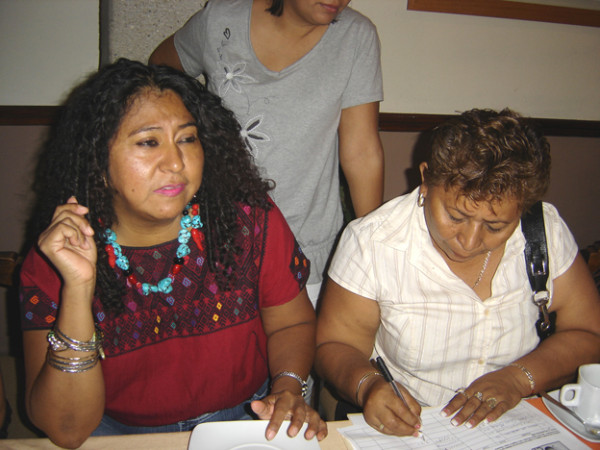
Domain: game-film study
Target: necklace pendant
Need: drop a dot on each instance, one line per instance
(482, 272)
(198, 238)
(165, 286)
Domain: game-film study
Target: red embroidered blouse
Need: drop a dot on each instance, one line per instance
(171, 357)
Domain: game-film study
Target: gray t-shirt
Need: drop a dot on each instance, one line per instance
(289, 119)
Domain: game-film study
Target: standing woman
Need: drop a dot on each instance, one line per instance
(303, 78)
(435, 283)
(166, 289)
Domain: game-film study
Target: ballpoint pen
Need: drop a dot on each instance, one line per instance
(387, 376)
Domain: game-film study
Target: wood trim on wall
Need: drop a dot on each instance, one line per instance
(28, 115)
(550, 127)
(511, 10)
(45, 115)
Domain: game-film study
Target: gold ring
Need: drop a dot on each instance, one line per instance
(491, 402)
(461, 391)
(381, 427)
(478, 395)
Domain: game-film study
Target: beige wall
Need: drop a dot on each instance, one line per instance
(432, 62)
(444, 63)
(45, 47)
(133, 28)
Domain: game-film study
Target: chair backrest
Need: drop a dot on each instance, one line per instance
(8, 264)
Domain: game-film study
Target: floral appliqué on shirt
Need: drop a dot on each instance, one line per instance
(233, 77)
(252, 136)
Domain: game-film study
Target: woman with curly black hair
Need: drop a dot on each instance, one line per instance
(160, 254)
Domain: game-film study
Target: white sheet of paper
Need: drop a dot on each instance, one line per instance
(522, 428)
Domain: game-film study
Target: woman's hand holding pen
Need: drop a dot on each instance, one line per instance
(69, 244)
(387, 412)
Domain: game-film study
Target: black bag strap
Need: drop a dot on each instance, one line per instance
(536, 264)
(536, 251)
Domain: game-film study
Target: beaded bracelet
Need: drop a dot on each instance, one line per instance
(59, 342)
(295, 376)
(528, 375)
(71, 365)
(362, 380)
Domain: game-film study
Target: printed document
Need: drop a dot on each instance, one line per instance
(523, 427)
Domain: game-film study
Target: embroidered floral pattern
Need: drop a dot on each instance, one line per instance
(233, 77)
(196, 307)
(300, 266)
(251, 135)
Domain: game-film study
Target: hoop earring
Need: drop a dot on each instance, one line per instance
(420, 200)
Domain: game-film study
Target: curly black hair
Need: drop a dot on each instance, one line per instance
(74, 162)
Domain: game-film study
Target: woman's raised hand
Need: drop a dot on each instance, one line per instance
(69, 244)
(486, 399)
(284, 405)
(387, 413)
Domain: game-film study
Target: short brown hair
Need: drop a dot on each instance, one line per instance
(489, 156)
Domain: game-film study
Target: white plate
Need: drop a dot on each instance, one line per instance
(567, 420)
(247, 435)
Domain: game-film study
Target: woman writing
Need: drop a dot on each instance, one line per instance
(435, 283)
(160, 252)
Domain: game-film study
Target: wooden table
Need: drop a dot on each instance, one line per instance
(157, 441)
(179, 441)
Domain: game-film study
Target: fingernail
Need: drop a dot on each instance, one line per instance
(270, 435)
(418, 426)
(454, 422)
(469, 425)
(416, 434)
(443, 413)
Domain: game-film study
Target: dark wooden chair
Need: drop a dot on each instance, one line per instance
(9, 261)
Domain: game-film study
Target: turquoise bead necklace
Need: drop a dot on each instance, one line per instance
(190, 224)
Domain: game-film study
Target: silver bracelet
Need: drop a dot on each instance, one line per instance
(528, 375)
(71, 365)
(361, 381)
(294, 375)
(60, 342)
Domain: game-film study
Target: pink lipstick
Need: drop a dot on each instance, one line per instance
(171, 190)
